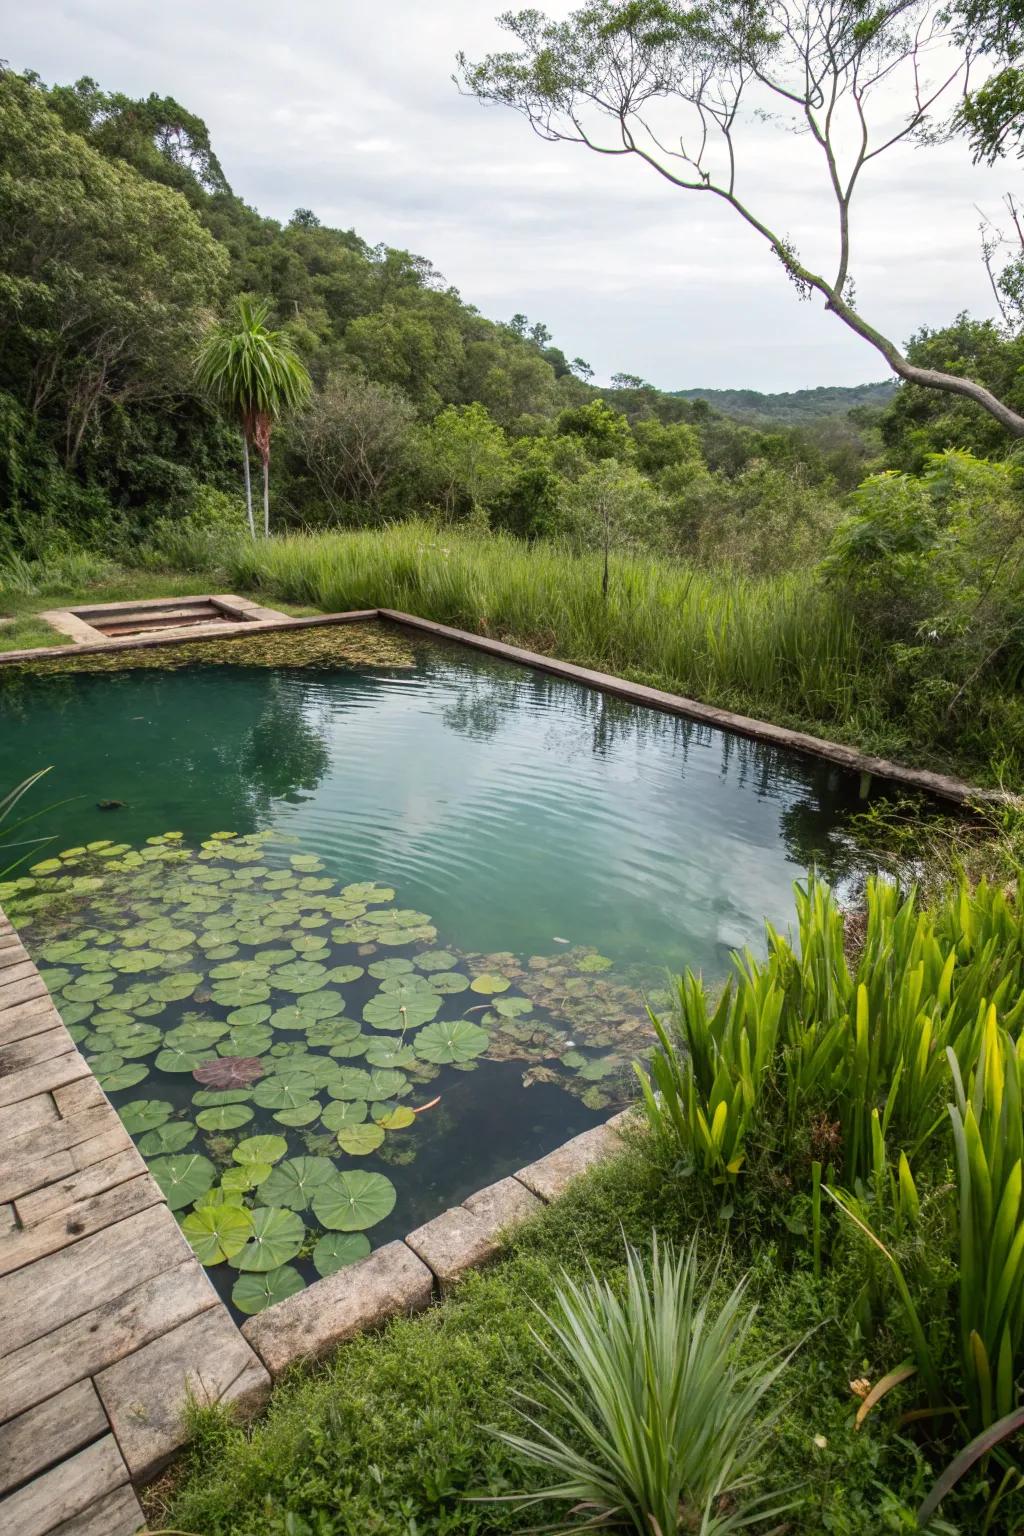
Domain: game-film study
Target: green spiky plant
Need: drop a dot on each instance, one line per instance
(653, 1416)
(253, 373)
(23, 848)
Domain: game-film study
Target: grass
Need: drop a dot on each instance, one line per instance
(394, 1436)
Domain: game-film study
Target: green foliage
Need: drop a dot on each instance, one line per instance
(650, 1416)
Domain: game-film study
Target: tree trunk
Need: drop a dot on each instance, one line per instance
(266, 498)
(248, 486)
(604, 578)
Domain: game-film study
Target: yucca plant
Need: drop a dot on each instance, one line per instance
(652, 1416)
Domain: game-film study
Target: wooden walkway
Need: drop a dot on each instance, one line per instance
(107, 1321)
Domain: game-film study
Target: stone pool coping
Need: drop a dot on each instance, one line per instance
(109, 1324)
(943, 786)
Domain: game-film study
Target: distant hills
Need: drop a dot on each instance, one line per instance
(799, 405)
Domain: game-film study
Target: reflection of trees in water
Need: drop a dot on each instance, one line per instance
(818, 799)
(225, 745)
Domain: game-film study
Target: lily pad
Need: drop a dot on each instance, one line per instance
(302, 1114)
(277, 1235)
(489, 983)
(360, 1140)
(294, 1182)
(260, 1149)
(448, 983)
(336, 1249)
(321, 1005)
(174, 1136)
(453, 1040)
(381, 970)
(344, 1112)
(401, 1010)
(354, 1200)
(125, 1076)
(397, 1117)
(225, 1117)
(181, 1058)
(251, 1293)
(229, 1072)
(183, 1177)
(217, 1232)
(240, 994)
(144, 1115)
(285, 1090)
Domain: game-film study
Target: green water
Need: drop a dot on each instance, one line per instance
(559, 848)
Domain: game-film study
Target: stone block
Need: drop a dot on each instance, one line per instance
(309, 1325)
(551, 1175)
(452, 1243)
(503, 1205)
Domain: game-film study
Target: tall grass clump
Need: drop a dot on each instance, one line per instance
(652, 1417)
(779, 645)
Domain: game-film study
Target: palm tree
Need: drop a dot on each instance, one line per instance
(254, 374)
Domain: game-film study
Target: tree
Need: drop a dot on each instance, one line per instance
(469, 459)
(354, 439)
(607, 76)
(993, 115)
(254, 374)
(612, 505)
(582, 369)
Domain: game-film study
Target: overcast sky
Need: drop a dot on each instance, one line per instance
(348, 108)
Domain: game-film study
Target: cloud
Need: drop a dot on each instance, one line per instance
(350, 110)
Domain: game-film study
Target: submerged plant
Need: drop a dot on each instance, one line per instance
(653, 1416)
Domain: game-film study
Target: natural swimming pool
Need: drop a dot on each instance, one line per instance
(375, 918)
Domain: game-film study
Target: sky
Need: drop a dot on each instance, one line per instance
(348, 108)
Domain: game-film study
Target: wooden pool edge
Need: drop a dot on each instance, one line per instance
(109, 1325)
(943, 786)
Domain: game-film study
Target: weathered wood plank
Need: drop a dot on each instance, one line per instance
(12, 953)
(145, 1394)
(47, 1132)
(22, 991)
(84, 1093)
(31, 1018)
(99, 1338)
(66, 1228)
(49, 1433)
(43, 1076)
(26, 1120)
(91, 1179)
(117, 1514)
(21, 970)
(65, 1491)
(54, 1041)
(91, 1273)
(22, 1178)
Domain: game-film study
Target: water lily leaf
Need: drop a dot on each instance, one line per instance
(369, 893)
(342, 1112)
(251, 1293)
(87, 990)
(62, 949)
(132, 962)
(387, 1084)
(341, 975)
(294, 1182)
(447, 983)
(229, 1072)
(437, 960)
(401, 1010)
(354, 1200)
(406, 987)
(125, 1076)
(349, 1083)
(300, 976)
(382, 1052)
(285, 1090)
(359, 1140)
(217, 1232)
(382, 969)
(490, 982)
(599, 1067)
(196, 1034)
(247, 1040)
(336, 1249)
(513, 1007)
(397, 1118)
(240, 993)
(183, 1177)
(302, 1114)
(593, 963)
(396, 936)
(174, 1136)
(181, 1058)
(144, 1115)
(260, 1149)
(345, 1049)
(453, 1040)
(224, 1117)
(398, 917)
(256, 1013)
(245, 1176)
(171, 939)
(323, 1004)
(277, 1235)
(291, 1017)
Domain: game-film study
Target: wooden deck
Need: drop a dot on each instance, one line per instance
(107, 1321)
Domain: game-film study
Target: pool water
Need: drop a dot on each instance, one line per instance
(370, 920)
